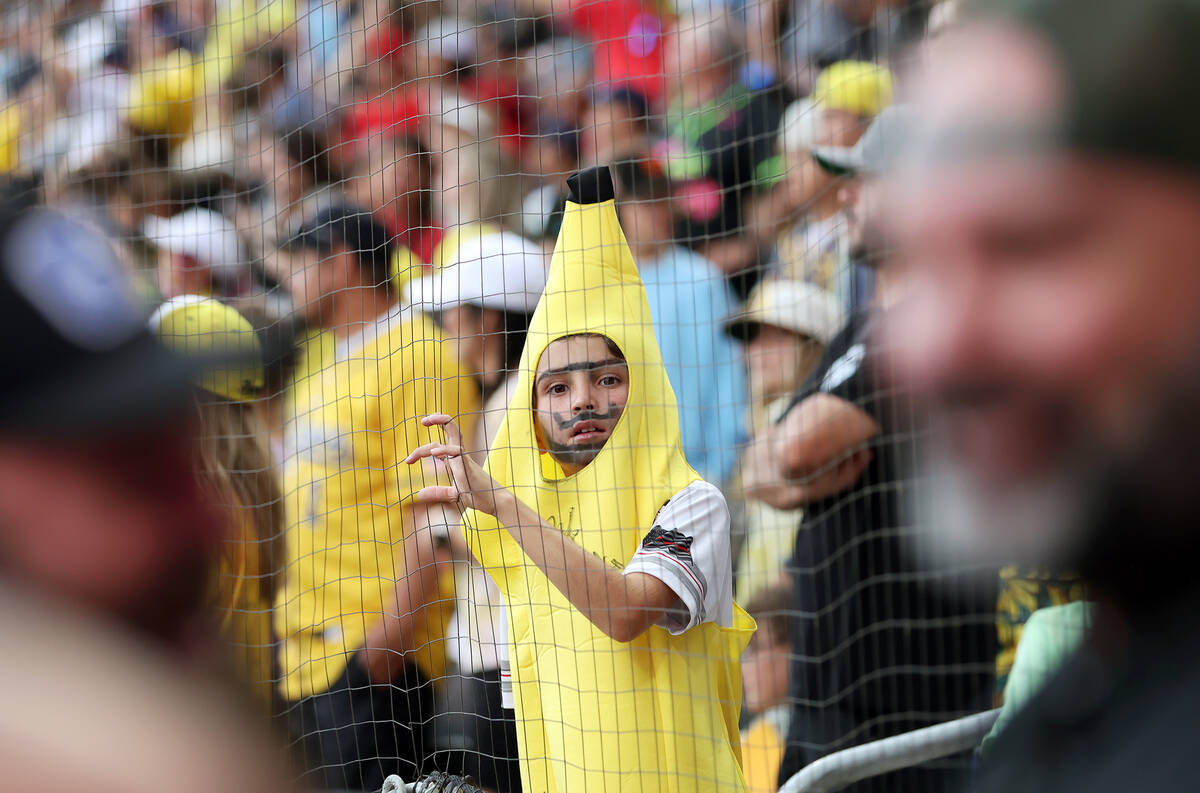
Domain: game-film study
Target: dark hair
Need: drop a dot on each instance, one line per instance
(608, 342)
(769, 608)
(624, 95)
(640, 180)
(347, 226)
(515, 327)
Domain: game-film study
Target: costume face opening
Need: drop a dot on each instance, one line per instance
(579, 393)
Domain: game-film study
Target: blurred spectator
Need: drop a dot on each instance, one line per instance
(201, 254)
(272, 187)
(765, 688)
(720, 134)
(99, 506)
(361, 613)
(391, 178)
(469, 169)
(784, 329)
(234, 463)
(688, 302)
(1050, 240)
(484, 297)
(818, 33)
(617, 120)
(800, 213)
(877, 649)
(849, 95)
(556, 73)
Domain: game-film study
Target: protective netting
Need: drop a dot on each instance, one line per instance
(359, 212)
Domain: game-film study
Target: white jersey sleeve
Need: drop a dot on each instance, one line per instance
(688, 550)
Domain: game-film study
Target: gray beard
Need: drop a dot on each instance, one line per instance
(1033, 523)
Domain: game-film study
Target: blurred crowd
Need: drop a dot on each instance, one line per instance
(358, 201)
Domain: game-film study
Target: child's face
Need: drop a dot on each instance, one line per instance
(579, 394)
(765, 667)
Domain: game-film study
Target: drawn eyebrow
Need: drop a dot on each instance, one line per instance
(582, 366)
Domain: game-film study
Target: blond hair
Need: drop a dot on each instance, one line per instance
(236, 468)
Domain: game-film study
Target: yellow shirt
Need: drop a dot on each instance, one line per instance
(762, 751)
(656, 714)
(347, 494)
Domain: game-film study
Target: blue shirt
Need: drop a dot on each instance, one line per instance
(689, 301)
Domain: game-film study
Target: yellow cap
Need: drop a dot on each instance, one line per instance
(162, 96)
(206, 328)
(404, 267)
(239, 28)
(858, 87)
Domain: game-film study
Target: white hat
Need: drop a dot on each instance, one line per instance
(209, 151)
(502, 272)
(798, 127)
(206, 236)
(453, 110)
(792, 305)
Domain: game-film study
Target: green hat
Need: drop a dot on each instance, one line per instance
(1129, 67)
(201, 327)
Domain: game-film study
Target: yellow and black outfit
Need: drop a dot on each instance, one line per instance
(347, 493)
(661, 712)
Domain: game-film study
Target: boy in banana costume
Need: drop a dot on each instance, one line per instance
(611, 553)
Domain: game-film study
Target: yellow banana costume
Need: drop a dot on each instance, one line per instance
(659, 713)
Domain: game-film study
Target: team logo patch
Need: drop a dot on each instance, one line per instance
(677, 546)
(673, 542)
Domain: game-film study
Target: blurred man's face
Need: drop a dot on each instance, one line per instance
(579, 393)
(862, 202)
(478, 334)
(314, 279)
(115, 524)
(693, 70)
(388, 181)
(1054, 298)
(778, 359)
(839, 128)
(606, 129)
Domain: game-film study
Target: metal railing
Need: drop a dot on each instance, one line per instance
(857, 763)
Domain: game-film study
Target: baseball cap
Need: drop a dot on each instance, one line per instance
(210, 331)
(1129, 72)
(347, 226)
(859, 87)
(208, 237)
(802, 308)
(162, 95)
(86, 361)
(502, 272)
(877, 150)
